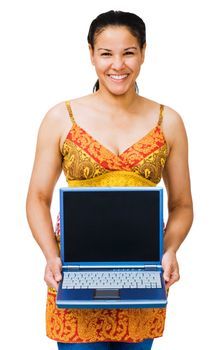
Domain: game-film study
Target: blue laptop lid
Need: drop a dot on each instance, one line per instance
(110, 226)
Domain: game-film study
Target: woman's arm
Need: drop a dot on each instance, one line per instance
(46, 171)
(177, 181)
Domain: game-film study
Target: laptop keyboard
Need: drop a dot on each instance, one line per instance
(111, 279)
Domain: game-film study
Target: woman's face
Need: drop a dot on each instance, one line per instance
(117, 58)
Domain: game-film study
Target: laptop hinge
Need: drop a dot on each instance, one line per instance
(73, 267)
(153, 267)
(146, 267)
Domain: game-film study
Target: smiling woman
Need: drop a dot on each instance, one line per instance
(117, 58)
(115, 137)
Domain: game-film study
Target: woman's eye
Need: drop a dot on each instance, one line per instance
(129, 53)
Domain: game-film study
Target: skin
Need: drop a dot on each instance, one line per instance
(116, 117)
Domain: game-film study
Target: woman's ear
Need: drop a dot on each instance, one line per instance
(91, 53)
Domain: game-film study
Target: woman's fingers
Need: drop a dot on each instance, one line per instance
(49, 279)
(173, 277)
(171, 269)
(167, 274)
(53, 273)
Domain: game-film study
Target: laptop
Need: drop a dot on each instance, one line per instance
(111, 248)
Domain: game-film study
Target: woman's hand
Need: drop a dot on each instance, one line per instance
(170, 267)
(53, 272)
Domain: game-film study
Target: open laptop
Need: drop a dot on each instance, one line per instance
(111, 248)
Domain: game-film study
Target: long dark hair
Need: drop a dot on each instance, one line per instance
(134, 24)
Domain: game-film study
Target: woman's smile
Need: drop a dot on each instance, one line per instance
(118, 78)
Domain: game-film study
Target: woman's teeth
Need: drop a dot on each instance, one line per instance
(118, 77)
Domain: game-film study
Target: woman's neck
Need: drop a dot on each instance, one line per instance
(123, 102)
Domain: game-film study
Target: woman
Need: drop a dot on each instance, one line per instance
(114, 137)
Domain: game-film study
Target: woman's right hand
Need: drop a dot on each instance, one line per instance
(53, 273)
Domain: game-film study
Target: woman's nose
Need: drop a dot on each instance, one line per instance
(118, 62)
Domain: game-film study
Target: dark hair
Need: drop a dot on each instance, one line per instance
(134, 23)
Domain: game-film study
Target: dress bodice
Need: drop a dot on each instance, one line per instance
(85, 158)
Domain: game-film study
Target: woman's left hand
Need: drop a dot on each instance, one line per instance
(170, 267)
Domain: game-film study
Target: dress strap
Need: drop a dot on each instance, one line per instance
(161, 115)
(68, 106)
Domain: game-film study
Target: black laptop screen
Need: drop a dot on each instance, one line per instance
(111, 226)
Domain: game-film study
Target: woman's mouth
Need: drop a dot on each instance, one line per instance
(118, 77)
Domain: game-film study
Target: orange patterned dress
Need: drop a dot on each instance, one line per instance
(88, 163)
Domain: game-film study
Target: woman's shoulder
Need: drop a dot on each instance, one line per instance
(170, 115)
(53, 121)
(171, 118)
(173, 125)
(56, 112)
(172, 122)
(60, 109)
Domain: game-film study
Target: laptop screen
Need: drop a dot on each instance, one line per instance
(110, 225)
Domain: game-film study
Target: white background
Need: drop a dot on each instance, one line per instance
(44, 60)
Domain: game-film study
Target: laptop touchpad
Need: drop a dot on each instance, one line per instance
(106, 294)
